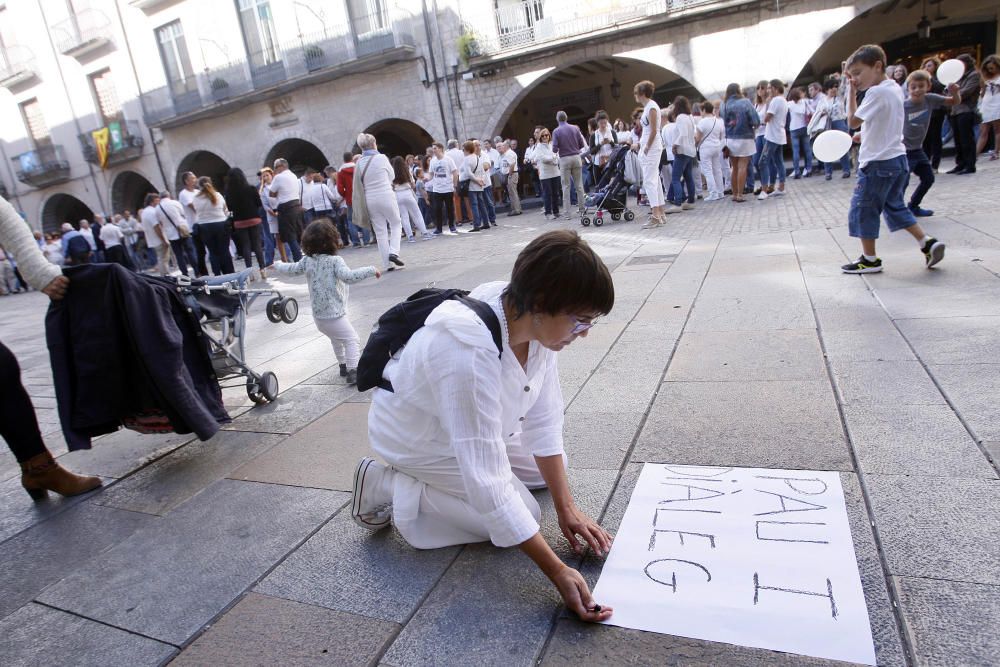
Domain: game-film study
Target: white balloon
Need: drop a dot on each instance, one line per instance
(950, 71)
(831, 145)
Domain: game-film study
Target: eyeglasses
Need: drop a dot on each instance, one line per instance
(579, 326)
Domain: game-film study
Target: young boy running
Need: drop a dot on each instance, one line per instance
(883, 172)
(918, 108)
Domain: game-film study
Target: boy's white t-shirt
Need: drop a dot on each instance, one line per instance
(775, 130)
(882, 118)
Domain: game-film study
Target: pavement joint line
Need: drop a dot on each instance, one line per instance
(626, 461)
(239, 598)
(104, 623)
(987, 234)
(906, 640)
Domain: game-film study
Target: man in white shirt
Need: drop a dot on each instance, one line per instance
(170, 216)
(186, 199)
(114, 239)
(155, 238)
(509, 175)
(287, 190)
(87, 233)
(444, 182)
(463, 210)
(772, 160)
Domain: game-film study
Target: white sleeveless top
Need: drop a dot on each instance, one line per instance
(647, 129)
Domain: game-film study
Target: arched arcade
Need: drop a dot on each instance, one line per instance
(300, 154)
(129, 190)
(396, 136)
(60, 208)
(203, 163)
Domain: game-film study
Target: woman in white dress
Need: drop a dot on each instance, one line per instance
(710, 137)
(989, 105)
(466, 434)
(650, 151)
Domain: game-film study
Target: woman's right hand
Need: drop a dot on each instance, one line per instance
(576, 595)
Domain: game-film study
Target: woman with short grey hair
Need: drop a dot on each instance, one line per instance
(374, 202)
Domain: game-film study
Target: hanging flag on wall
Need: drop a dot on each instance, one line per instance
(102, 139)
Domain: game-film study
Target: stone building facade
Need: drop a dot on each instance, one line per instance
(206, 86)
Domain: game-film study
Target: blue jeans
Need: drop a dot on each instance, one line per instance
(845, 162)
(772, 164)
(480, 217)
(879, 192)
(550, 197)
(683, 169)
(800, 145)
(491, 211)
(755, 172)
(269, 246)
(356, 233)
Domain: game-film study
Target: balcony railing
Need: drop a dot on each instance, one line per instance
(124, 143)
(44, 166)
(17, 66)
(534, 22)
(311, 56)
(83, 32)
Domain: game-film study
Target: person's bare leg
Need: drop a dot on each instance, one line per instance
(281, 250)
(916, 231)
(868, 247)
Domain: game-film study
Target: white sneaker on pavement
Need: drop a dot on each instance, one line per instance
(674, 209)
(371, 505)
(687, 207)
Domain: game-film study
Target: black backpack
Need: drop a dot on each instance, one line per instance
(399, 323)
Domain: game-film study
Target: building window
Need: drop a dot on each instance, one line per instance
(174, 54)
(257, 24)
(368, 17)
(34, 122)
(105, 97)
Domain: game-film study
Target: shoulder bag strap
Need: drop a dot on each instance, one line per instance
(174, 224)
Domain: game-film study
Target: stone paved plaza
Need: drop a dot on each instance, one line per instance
(735, 340)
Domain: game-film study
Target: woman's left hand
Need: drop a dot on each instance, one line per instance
(577, 526)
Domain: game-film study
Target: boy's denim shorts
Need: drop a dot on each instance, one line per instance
(879, 191)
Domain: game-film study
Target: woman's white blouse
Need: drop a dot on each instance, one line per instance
(454, 399)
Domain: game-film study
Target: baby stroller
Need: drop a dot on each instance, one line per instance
(611, 194)
(221, 304)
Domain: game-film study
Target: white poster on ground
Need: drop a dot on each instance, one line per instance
(748, 556)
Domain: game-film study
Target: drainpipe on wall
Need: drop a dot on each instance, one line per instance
(434, 75)
(142, 103)
(76, 121)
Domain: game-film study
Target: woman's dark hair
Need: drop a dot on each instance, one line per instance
(321, 238)
(559, 272)
(401, 173)
(681, 105)
(795, 94)
(236, 182)
(207, 189)
(830, 84)
(469, 147)
(778, 85)
(734, 90)
(708, 107)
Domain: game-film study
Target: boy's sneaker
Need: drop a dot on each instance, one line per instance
(920, 212)
(933, 251)
(371, 505)
(863, 265)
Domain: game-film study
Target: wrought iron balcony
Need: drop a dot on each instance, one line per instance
(531, 23)
(85, 31)
(17, 66)
(42, 167)
(317, 56)
(124, 143)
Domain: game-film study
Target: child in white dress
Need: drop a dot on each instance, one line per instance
(329, 277)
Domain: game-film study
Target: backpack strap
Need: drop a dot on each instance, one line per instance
(489, 317)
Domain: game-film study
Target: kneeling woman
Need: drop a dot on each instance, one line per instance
(466, 435)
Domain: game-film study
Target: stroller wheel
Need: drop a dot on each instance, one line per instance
(629, 215)
(273, 309)
(269, 386)
(598, 221)
(616, 216)
(585, 221)
(289, 309)
(254, 392)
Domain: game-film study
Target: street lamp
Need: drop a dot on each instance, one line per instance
(924, 26)
(616, 88)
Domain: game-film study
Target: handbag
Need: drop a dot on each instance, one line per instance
(463, 184)
(182, 229)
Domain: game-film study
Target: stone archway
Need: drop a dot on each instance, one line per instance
(299, 153)
(129, 190)
(582, 88)
(203, 163)
(396, 136)
(62, 208)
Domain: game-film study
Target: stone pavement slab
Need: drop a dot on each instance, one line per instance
(346, 568)
(160, 487)
(598, 436)
(787, 424)
(261, 631)
(974, 389)
(951, 622)
(323, 455)
(295, 408)
(886, 382)
(740, 356)
(170, 579)
(19, 512)
(946, 340)
(937, 527)
(34, 559)
(123, 452)
(39, 635)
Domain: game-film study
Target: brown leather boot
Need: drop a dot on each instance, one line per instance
(41, 474)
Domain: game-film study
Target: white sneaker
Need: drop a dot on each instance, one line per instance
(778, 193)
(411, 239)
(652, 224)
(371, 506)
(674, 209)
(762, 196)
(687, 207)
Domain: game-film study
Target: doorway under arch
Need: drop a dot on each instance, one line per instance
(585, 87)
(129, 190)
(396, 136)
(300, 155)
(203, 163)
(62, 208)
